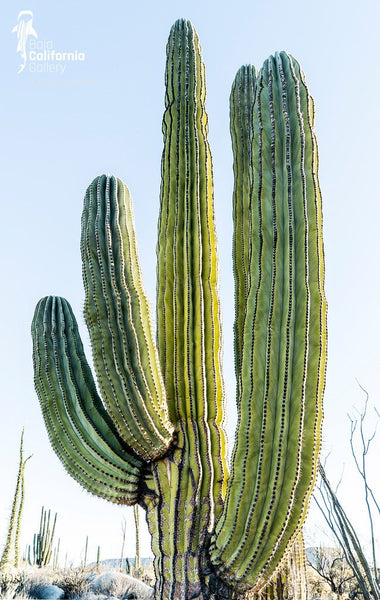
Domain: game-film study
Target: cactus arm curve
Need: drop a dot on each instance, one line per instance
(80, 430)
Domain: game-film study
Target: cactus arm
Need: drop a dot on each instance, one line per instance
(49, 541)
(42, 536)
(187, 302)
(80, 431)
(118, 317)
(316, 358)
(301, 119)
(241, 106)
(284, 342)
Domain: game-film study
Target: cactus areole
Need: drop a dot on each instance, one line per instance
(152, 431)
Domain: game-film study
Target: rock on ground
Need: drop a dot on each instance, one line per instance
(120, 585)
(48, 592)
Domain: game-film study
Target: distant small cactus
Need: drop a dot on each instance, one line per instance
(137, 529)
(43, 542)
(84, 563)
(98, 559)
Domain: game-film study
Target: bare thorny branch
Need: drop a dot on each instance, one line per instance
(336, 572)
(365, 442)
(367, 576)
(361, 466)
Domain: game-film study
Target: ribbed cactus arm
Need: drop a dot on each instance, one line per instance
(188, 313)
(241, 108)
(284, 337)
(80, 431)
(118, 317)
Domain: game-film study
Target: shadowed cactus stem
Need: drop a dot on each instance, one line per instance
(158, 440)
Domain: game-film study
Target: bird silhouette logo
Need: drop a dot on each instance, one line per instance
(24, 29)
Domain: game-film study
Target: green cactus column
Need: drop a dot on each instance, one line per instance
(191, 481)
(281, 320)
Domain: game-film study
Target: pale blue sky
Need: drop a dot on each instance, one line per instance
(104, 115)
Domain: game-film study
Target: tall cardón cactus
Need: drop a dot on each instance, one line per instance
(156, 435)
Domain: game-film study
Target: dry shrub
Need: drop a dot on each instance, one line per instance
(11, 584)
(119, 585)
(73, 581)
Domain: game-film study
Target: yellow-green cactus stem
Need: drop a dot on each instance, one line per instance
(43, 540)
(191, 483)
(188, 312)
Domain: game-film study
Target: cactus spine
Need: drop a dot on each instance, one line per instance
(159, 438)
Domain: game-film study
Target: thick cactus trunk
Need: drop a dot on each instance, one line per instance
(191, 481)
